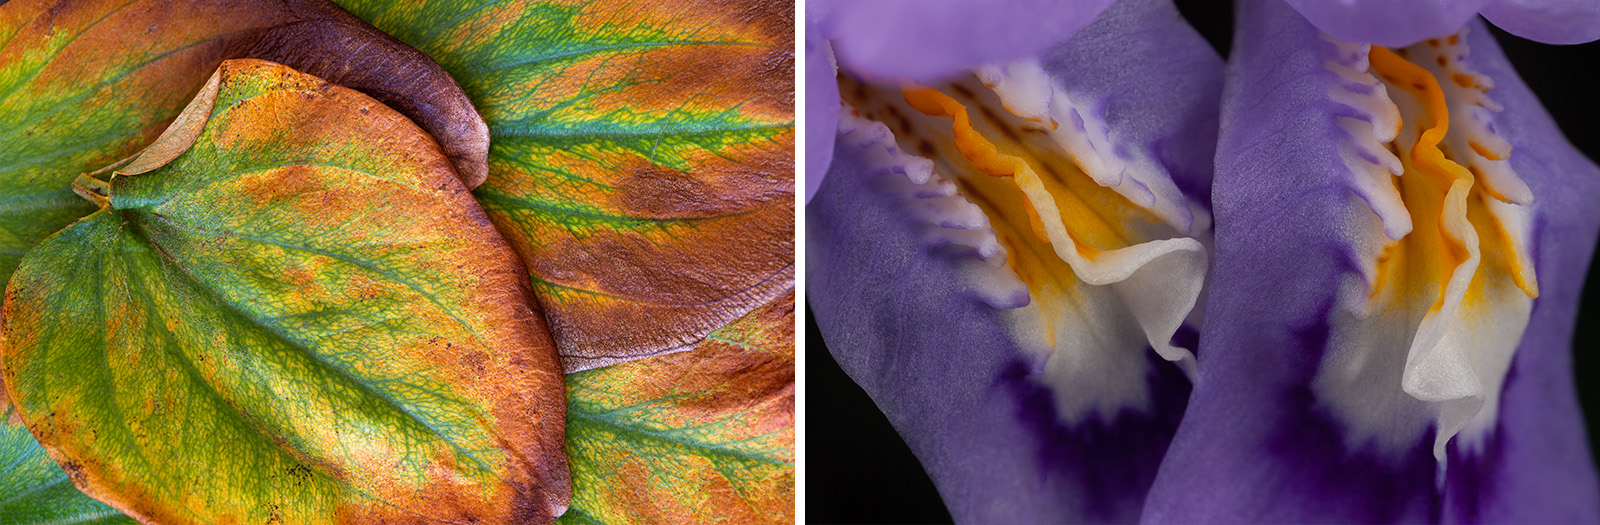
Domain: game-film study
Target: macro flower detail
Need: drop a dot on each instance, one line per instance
(1099, 241)
(912, 39)
(1042, 226)
(1421, 222)
(1452, 274)
(1405, 22)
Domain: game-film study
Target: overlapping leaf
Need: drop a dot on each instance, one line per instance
(694, 437)
(86, 82)
(641, 159)
(33, 489)
(303, 318)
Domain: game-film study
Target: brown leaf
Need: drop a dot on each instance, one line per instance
(186, 40)
(302, 316)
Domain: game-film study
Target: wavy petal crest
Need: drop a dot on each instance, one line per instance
(945, 315)
(1304, 401)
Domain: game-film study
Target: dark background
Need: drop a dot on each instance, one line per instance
(859, 471)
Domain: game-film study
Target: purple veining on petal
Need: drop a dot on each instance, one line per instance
(918, 39)
(902, 319)
(1150, 74)
(1391, 23)
(1119, 457)
(1278, 203)
(1361, 486)
(1538, 466)
(929, 203)
(1281, 196)
(940, 364)
(1548, 21)
(1473, 479)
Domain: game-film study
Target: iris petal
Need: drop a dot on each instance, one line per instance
(1254, 435)
(1535, 467)
(1306, 409)
(822, 108)
(1548, 21)
(1389, 22)
(915, 39)
(915, 288)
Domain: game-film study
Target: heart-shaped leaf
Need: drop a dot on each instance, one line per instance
(86, 82)
(33, 489)
(301, 318)
(642, 160)
(695, 437)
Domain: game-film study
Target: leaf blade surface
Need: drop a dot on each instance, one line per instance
(692, 437)
(642, 156)
(303, 317)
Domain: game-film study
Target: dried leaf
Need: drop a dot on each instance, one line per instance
(86, 82)
(695, 437)
(642, 159)
(303, 318)
(33, 489)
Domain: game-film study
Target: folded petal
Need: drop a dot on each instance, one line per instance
(1548, 21)
(1004, 262)
(920, 38)
(1381, 239)
(1388, 22)
(908, 324)
(1536, 465)
(1253, 436)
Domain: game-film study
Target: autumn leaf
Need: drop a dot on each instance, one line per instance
(301, 316)
(692, 437)
(84, 83)
(34, 489)
(642, 156)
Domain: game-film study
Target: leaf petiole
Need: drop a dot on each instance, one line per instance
(93, 190)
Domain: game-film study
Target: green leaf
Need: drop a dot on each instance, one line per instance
(84, 83)
(641, 157)
(693, 437)
(34, 490)
(289, 310)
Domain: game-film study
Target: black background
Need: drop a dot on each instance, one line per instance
(859, 471)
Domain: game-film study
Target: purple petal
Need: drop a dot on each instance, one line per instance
(902, 322)
(1257, 435)
(923, 38)
(1252, 436)
(1391, 23)
(1538, 467)
(1548, 21)
(822, 109)
(905, 321)
(1154, 75)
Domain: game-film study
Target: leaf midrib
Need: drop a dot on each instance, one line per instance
(302, 346)
(574, 414)
(598, 49)
(569, 132)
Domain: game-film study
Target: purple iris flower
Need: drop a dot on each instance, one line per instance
(1389, 301)
(1423, 227)
(917, 39)
(1011, 241)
